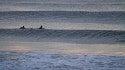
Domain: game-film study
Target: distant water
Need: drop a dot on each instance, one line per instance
(62, 5)
(73, 20)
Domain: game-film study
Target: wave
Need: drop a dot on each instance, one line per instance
(72, 36)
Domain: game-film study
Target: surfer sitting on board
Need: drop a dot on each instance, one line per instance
(41, 27)
(22, 27)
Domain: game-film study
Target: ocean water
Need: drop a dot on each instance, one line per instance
(70, 20)
(64, 48)
(63, 41)
(71, 27)
(62, 5)
(30, 49)
(78, 35)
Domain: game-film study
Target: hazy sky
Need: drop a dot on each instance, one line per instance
(62, 5)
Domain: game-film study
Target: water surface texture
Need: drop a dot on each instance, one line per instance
(71, 20)
(62, 5)
(76, 35)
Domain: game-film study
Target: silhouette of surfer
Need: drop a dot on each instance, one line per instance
(41, 27)
(23, 27)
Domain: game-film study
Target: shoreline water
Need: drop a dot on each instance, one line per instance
(40, 61)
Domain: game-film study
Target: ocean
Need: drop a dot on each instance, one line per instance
(70, 20)
(28, 49)
(76, 35)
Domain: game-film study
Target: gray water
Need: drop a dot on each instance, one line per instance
(57, 26)
(52, 14)
(63, 15)
(62, 5)
(63, 48)
(70, 20)
(63, 41)
(78, 35)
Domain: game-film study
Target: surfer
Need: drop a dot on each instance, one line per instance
(41, 27)
(23, 27)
